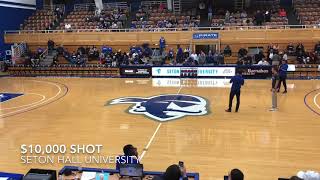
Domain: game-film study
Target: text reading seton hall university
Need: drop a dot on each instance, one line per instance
(73, 154)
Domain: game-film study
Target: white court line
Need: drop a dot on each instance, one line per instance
(43, 98)
(153, 136)
(23, 109)
(149, 143)
(315, 100)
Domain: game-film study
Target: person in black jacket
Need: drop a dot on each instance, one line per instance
(173, 172)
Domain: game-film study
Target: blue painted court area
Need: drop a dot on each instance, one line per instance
(8, 96)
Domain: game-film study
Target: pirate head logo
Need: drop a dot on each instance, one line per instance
(165, 107)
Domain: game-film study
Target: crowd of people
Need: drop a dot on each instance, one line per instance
(161, 17)
(162, 55)
(110, 18)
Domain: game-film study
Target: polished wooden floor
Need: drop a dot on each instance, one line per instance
(264, 145)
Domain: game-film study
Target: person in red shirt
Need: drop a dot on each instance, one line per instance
(282, 13)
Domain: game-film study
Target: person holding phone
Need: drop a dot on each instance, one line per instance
(174, 172)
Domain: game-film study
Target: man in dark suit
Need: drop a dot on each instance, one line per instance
(237, 81)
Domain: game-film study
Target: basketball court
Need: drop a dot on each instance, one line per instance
(264, 145)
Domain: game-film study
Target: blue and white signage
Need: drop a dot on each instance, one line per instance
(165, 107)
(8, 96)
(166, 71)
(216, 71)
(205, 36)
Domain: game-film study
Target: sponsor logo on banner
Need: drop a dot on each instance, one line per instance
(166, 82)
(205, 36)
(221, 83)
(135, 71)
(166, 71)
(165, 107)
(255, 71)
(216, 71)
(129, 71)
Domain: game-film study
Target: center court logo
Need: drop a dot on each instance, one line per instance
(165, 107)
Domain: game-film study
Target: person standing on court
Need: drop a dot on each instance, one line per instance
(283, 68)
(237, 81)
(275, 83)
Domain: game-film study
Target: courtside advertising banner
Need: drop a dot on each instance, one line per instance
(216, 71)
(166, 71)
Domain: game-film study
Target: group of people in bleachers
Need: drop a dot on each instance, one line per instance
(160, 17)
(268, 14)
(110, 18)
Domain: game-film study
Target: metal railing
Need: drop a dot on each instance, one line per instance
(44, 54)
(54, 7)
(220, 28)
(18, 50)
(88, 6)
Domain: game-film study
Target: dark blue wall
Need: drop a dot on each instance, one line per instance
(10, 19)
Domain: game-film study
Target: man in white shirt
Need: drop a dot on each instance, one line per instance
(263, 62)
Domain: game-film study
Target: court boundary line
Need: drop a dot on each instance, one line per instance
(146, 148)
(315, 100)
(28, 109)
(308, 106)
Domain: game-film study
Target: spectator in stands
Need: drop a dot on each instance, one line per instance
(300, 53)
(202, 6)
(284, 56)
(290, 49)
(300, 48)
(130, 154)
(240, 62)
(210, 58)
(210, 12)
(258, 18)
(50, 45)
(227, 17)
(243, 14)
(242, 52)
(67, 27)
(317, 48)
(227, 51)
(162, 44)
(236, 174)
(171, 56)
(282, 13)
(263, 62)
(179, 57)
(247, 60)
(202, 58)
(258, 57)
(173, 172)
(194, 56)
(275, 60)
(267, 16)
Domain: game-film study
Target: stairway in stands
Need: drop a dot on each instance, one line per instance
(292, 17)
(48, 59)
(239, 5)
